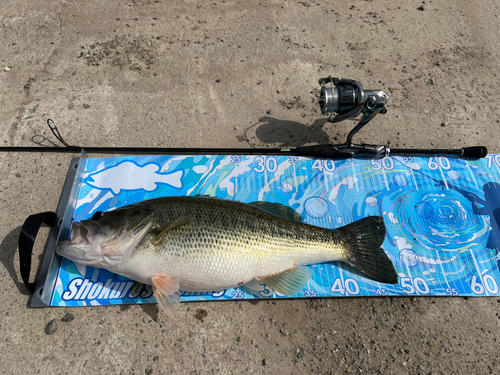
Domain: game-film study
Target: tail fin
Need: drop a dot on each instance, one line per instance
(366, 256)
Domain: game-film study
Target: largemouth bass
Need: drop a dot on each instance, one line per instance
(203, 244)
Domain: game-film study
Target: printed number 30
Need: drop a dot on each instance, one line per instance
(269, 164)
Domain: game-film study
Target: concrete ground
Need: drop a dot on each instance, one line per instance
(201, 74)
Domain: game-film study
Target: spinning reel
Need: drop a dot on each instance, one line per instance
(346, 99)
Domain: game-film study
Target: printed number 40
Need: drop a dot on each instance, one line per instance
(350, 286)
(326, 164)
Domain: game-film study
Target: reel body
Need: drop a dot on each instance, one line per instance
(346, 99)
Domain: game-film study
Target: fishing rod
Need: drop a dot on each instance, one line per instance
(343, 99)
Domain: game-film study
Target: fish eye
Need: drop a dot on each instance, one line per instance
(97, 215)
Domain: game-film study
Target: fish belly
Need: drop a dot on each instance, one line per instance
(223, 261)
(228, 245)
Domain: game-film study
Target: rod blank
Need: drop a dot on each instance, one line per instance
(320, 151)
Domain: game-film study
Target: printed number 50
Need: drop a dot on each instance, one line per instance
(417, 285)
(386, 163)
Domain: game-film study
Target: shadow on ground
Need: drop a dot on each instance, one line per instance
(289, 133)
(8, 249)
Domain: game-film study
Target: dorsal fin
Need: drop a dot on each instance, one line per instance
(279, 209)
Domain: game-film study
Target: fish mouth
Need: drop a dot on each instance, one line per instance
(78, 234)
(86, 247)
(79, 247)
(81, 252)
(90, 246)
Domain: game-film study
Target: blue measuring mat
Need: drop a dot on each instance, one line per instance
(442, 216)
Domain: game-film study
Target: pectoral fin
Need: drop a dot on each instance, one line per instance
(184, 220)
(288, 282)
(165, 289)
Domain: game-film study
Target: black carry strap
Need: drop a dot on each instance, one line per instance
(27, 239)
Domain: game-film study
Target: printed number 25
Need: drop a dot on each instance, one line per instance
(238, 295)
(235, 158)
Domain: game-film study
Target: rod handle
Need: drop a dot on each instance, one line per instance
(475, 152)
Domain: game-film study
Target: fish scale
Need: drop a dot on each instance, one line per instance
(204, 244)
(229, 243)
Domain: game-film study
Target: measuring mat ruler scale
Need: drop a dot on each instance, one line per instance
(441, 215)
